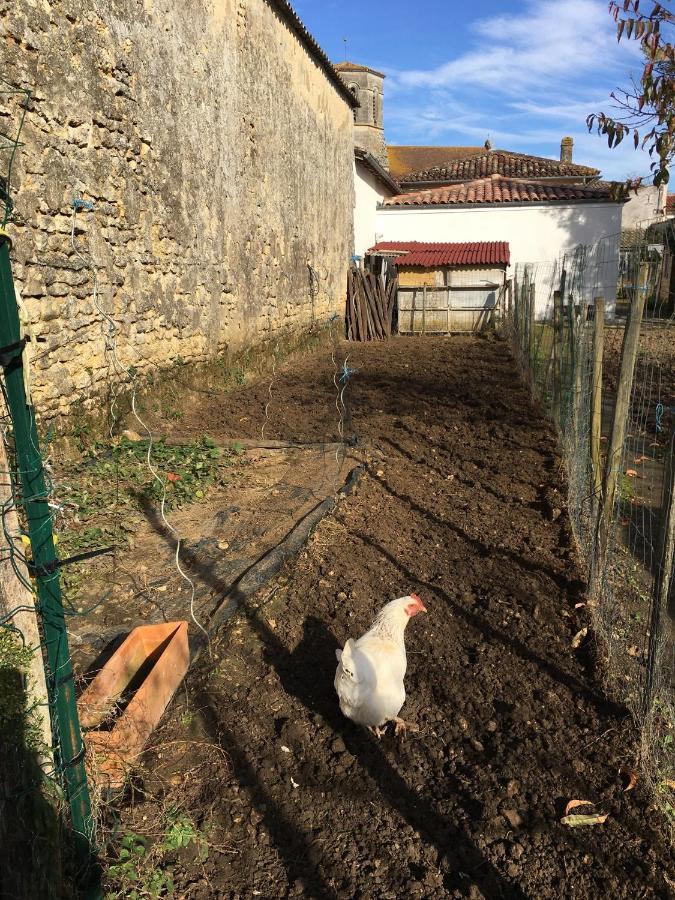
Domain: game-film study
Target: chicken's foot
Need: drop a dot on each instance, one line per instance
(401, 726)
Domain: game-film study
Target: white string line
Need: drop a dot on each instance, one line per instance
(269, 390)
(111, 347)
(337, 406)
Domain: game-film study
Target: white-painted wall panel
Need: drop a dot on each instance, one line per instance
(537, 233)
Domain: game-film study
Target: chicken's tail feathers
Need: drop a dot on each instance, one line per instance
(338, 655)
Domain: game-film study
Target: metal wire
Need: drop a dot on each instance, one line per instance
(635, 633)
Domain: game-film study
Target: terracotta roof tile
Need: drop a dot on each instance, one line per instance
(497, 162)
(473, 253)
(670, 203)
(503, 190)
(355, 67)
(404, 160)
(371, 163)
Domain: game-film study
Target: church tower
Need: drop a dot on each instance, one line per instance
(367, 85)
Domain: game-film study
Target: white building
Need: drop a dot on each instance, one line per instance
(540, 221)
(372, 185)
(645, 205)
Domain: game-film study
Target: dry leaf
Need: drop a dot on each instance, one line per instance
(576, 821)
(670, 783)
(631, 778)
(633, 651)
(631, 473)
(579, 605)
(578, 637)
(574, 803)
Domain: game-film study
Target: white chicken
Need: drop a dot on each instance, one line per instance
(370, 672)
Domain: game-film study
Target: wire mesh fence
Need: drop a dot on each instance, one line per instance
(594, 335)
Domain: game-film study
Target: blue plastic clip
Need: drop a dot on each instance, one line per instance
(78, 203)
(346, 372)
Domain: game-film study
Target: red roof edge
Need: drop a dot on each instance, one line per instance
(468, 253)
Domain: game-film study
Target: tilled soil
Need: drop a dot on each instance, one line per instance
(465, 507)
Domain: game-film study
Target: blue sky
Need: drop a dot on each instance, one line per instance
(524, 72)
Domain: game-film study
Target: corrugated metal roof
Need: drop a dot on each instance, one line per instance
(430, 254)
(496, 189)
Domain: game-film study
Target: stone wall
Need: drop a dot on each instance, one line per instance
(218, 156)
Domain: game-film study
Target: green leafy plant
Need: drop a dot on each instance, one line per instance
(142, 870)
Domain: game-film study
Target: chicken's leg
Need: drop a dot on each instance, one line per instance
(377, 731)
(401, 726)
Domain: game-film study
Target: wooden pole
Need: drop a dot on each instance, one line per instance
(629, 351)
(524, 289)
(663, 580)
(576, 357)
(557, 354)
(596, 395)
(524, 293)
(424, 309)
(530, 327)
(14, 594)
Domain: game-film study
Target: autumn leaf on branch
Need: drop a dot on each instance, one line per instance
(646, 110)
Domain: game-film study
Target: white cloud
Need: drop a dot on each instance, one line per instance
(526, 80)
(548, 42)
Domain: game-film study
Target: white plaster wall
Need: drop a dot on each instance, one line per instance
(537, 234)
(645, 207)
(368, 194)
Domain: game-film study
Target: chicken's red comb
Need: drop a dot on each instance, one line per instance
(419, 600)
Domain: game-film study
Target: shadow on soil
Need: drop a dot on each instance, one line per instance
(315, 653)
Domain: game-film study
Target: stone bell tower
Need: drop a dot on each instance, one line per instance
(367, 85)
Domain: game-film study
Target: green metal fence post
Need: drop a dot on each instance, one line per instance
(68, 739)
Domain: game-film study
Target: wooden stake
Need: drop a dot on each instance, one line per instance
(663, 580)
(424, 309)
(14, 594)
(596, 394)
(557, 354)
(530, 327)
(629, 351)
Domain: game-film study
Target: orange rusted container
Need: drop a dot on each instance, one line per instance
(151, 663)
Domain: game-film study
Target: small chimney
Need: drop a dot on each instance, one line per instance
(566, 150)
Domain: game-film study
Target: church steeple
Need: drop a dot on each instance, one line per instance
(368, 88)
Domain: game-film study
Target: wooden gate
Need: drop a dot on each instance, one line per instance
(448, 310)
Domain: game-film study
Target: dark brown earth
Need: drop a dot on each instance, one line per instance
(465, 506)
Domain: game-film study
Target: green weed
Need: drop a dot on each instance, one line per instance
(146, 870)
